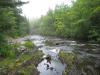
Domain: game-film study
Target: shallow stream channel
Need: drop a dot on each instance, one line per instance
(88, 56)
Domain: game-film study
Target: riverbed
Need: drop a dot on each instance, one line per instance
(51, 46)
(86, 63)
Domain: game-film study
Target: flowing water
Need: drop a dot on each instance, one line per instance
(51, 65)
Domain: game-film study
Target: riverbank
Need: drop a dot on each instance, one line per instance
(25, 65)
(25, 61)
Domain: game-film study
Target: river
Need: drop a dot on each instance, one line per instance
(51, 46)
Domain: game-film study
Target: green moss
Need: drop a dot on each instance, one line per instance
(29, 45)
(69, 59)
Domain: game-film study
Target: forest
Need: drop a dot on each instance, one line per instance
(80, 21)
(67, 37)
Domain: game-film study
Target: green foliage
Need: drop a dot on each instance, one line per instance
(7, 20)
(79, 21)
(12, 24)
(80, 29)
(7, 51)
(95, 25)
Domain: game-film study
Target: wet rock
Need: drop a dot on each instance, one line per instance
(22, 49)
(51, 68)
(48, 58)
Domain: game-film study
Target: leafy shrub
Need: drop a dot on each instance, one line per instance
(7, 51)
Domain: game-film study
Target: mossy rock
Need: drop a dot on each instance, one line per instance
(29, 45)
(49, 42)
(69, 59)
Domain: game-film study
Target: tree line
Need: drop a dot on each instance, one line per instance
(80, 21)
(12, 23)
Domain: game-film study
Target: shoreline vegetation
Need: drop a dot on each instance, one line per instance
(24, 62)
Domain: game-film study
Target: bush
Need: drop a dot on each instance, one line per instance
(7, 51)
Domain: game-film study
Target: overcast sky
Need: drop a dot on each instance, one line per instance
(36, 8)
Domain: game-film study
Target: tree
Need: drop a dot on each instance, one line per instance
(10, 23)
